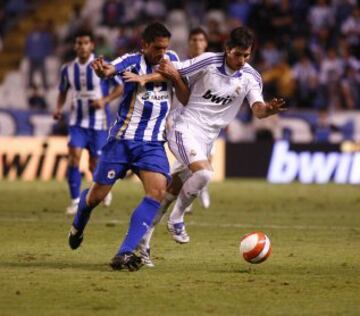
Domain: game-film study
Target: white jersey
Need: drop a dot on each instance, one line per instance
(216, 94)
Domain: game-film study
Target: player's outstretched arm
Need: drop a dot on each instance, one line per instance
(263, 110)
(115, 93)
(129, 76)
(102, 68)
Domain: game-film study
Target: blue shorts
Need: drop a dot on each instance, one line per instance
(92, 140)
(119, 156)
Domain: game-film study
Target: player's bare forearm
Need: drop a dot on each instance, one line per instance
(262, 110)
(143, 79)
(59, 105)
(114, 94)
(182, 90)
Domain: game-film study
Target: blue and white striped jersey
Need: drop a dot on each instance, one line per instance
(143, 110)
(85, 86)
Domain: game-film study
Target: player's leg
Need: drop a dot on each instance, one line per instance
(96, 141)
(194, 154)
(204, 195)
(201, 176)
(77, 142)
(150, 162)
(172, 192)
(89, 199)
(105, 175)
(74, 178)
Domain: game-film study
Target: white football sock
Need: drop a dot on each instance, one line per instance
(188, 193)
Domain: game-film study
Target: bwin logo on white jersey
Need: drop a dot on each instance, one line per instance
(216, 99)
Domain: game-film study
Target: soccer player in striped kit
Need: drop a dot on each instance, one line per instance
(136, 143)
(89, 116)
(220, 82)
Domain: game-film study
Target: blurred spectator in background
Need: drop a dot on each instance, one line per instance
(39, 46)
(306, 81)
(330, 73)
(351, 29)
(350, 88)
(282, 22)
(75, 23)
(307, 50)
(215, 31)
(239, 10)
(112, 13)
(103, 48)
(123, 42)
(36, 100)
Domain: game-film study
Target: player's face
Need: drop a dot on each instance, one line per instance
(197, 45)
(236, 57)
(84, 46)
(155, 51)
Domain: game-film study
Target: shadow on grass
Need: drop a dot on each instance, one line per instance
(100, 267)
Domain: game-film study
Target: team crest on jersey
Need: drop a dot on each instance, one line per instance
(111, 174)
(193, 153)
(146, 95)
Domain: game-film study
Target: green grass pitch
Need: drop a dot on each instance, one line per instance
(314, 268)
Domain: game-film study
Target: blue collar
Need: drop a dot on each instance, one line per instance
(236, 74)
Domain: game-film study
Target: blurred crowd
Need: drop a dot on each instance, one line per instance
(307, 51)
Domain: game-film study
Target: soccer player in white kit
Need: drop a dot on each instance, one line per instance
(219, 84)
(197, 45)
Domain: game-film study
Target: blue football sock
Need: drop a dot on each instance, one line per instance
(83, 212)
(141, 220)
(74, 181)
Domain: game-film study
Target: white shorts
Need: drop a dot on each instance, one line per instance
(187, 148)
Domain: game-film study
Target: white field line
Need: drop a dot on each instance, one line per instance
(190, 223)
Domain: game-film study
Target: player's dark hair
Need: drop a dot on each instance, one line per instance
(153, 31)
(196, 31)
(83, 33)
(241, 37)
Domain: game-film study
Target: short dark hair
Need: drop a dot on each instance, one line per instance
(83, 33)
(153, 31)
(241, 37)
(196, 31)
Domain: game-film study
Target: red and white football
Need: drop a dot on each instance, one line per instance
(255, 247)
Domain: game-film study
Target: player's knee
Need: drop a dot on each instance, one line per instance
(73, 161)
(157, 194)
(203, 177)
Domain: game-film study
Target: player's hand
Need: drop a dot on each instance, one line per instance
(275, 105)
(98, 104)
(57, 115)
(101, 68)
(167, 69)
(131, 77)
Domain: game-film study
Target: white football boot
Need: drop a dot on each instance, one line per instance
(178, 232)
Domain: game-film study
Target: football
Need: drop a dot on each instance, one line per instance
(255, 247)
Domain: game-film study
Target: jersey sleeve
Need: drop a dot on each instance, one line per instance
(64, 84)
(173, 57)
(255, 89)
(192, 69)
(196, 65)
(125, 61)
